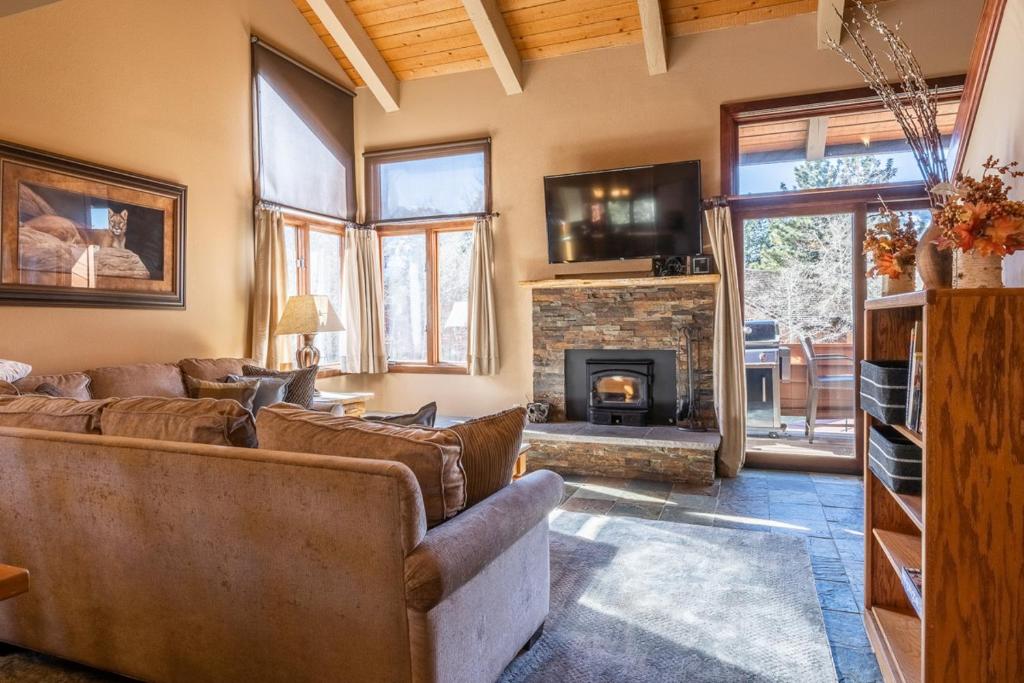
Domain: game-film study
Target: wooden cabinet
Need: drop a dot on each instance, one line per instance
(966, 531)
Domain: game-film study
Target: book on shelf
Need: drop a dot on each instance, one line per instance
(915, 378)
(913, 585)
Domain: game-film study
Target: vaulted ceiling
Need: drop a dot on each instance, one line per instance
(381, 42)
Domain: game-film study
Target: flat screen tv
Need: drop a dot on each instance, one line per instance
(625, 213)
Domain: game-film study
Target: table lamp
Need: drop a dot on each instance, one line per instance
(308, 315)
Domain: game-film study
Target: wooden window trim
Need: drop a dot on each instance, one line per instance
(430, 230)
(303, 226)
(372, 160)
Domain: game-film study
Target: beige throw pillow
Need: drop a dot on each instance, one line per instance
(244, 392)
(71, 384)
(490, 448)
(433, 455)
(203, 420)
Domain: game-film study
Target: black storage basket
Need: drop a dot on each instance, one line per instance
(895, 460)
(883, 389)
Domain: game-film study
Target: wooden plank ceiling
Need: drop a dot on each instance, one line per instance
(422, 38)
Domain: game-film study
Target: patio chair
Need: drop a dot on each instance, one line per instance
(816, 381)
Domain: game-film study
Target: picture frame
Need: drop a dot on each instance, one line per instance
(76, 234)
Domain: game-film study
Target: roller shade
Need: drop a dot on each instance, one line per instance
(305, 145)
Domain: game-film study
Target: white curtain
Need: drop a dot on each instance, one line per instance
(730, 381)
(270, 290)
(363, 303)
(483, 316)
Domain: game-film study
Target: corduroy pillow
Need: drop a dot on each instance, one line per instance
(490, 448)
(8, 389)
(243, 392)
(301, 383)
(433, 455)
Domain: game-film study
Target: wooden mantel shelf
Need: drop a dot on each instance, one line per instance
(566, 283)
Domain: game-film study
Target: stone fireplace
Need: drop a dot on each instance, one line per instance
(631, 322)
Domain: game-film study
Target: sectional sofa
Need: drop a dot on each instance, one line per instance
(175, 561)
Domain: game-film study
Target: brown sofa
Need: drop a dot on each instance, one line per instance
(170, 561)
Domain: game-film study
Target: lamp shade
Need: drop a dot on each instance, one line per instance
(308, 314)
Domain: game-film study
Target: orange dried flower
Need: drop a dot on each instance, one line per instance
(892, 244)
(979, 215)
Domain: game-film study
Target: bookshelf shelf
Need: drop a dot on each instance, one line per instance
(962, 531)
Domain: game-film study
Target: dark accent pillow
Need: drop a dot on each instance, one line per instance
(242, 392)
(47, 389)
(490, 448)
(301, 383)
(424, 417)
(271, 390)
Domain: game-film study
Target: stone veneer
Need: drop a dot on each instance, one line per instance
(622, 318)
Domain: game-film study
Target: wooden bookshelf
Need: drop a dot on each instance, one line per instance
(964, 532)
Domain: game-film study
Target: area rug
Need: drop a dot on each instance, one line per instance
(638, 600)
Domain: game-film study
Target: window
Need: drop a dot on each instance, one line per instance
(426, 295)
(314, 256)
(435, 182)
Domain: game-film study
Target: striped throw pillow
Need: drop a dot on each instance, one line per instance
(490, 447)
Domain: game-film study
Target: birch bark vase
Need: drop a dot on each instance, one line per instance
(972, 271)
(903, 285)
(934, 265)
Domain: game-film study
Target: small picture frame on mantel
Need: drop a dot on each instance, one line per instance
(701, 265)
(76, 234)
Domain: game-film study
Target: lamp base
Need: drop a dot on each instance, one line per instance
(308, 355)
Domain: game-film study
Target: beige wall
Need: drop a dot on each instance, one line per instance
(161, 88)
(601, 110)
(999, 127)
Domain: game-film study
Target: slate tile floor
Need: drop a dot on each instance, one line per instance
(827, 510)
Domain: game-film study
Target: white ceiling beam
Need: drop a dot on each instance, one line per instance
(344, 27)
(830, 21)
(655, 45)
(817, 135)
(493, 32)
(8, 7)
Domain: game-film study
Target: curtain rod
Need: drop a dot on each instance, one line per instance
(427, 148)
(436, 219)
(256, 40)
(265, 204)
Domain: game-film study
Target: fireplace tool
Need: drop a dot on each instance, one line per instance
(688, 415)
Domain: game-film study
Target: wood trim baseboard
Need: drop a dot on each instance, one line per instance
(974, 85)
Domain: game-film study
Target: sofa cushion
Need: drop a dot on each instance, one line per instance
(242, 392)
(433, 455)
(301, 383)
(71, 384)
(143, 379)
(8, 389)
(220, 422)
(12, 370)
(53, 414)
(213, 369)
(490, 448)
(271, 390)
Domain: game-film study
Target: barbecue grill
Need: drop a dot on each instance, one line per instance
(767, 365)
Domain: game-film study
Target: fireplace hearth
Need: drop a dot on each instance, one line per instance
(620, 391)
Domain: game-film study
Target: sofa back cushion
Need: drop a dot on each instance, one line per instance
(144, 379)
(213, 369)
(433, 455)
(219, 422)
(71, 384)
(490, 448)
(53, 414)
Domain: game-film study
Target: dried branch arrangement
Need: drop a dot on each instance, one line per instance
(912, 102)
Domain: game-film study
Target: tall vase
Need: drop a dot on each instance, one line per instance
(934, 265)
(971, 271)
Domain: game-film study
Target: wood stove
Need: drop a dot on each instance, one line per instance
(620, 391)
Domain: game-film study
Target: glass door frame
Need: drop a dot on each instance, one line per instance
(860, 203)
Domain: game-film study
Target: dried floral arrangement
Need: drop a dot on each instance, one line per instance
(978, 215)
(912, 102)
(891, 242)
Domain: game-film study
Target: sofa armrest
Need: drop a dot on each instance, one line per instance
(456, 551)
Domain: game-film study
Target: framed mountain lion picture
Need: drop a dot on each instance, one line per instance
(77, 234)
